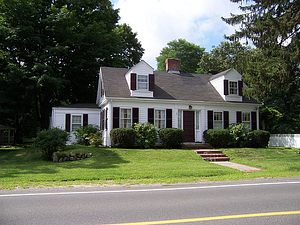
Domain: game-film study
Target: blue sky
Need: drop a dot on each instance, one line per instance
(158, 22)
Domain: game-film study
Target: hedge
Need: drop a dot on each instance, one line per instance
(218, 138)
(171, 137)
(258, 138)
(123, 137)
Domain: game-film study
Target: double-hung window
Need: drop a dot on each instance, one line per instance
(246, 119)
(76, 122)
(142, 83)
(218, 123)
(233, 87)
(160, 118)
(125, 118)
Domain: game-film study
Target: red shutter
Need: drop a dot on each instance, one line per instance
(116, 114)
(210, 117)
(68, 122)
(253, 121)
(226, 119)
(85, 119)
(135, 115)
(151, 82)
(238, 116)
(226, 87)
(133, 81)
(151, 115)
(240, 88)
(169, 118)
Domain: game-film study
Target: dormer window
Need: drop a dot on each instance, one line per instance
(233, 87)
(142, 82)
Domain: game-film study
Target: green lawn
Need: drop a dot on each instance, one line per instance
(24, 168)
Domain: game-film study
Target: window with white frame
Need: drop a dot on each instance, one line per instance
(246, 119)
(125, 118)
(233, 87)
(76, 122)
(160, 118)
(218, 123)
(142, 82)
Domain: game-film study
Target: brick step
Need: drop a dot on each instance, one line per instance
(208, 151)
(212, 155)
(216, 159)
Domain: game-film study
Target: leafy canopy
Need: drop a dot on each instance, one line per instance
(51, 51)
(188, 53)
(226, 55)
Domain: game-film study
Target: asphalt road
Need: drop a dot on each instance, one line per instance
(262, 201)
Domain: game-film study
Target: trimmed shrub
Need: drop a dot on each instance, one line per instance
(122, 137)
(239, 134)
(83, 132)
(49, 141)
(258, 139)
(146, 134)
(218, 138)
(171, 137)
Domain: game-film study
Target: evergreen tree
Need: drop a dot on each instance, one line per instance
(272, 73)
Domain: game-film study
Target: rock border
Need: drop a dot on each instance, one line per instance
(63, 157)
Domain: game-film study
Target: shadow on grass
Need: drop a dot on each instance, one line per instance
(15, 163)
(102, 159)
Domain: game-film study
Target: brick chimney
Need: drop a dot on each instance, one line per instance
(173, 65)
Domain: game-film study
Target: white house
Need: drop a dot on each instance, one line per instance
(192, 102)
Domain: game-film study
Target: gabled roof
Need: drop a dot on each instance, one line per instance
(220, 74)
(80, 105)
(183, 86)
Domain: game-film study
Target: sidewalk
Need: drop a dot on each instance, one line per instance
(240, 167)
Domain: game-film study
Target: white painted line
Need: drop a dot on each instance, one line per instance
(147, 190)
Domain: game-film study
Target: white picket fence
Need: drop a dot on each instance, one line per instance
(285, 140)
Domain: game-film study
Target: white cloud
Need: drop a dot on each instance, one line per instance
(158, 22)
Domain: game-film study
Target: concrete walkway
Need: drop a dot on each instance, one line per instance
(240, 167)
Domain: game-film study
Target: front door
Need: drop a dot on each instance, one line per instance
(189, 126)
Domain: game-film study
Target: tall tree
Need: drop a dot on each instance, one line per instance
(226, 55)
(273, 73)
(189, 54)
(51, 52)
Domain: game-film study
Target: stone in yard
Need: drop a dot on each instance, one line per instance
(54, 157)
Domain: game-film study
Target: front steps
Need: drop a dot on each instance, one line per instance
(212, 155)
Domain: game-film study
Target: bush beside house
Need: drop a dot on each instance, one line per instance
(219, 138)
(237, 135)
(146, 134)
(83, 132)
(171, 137)
(123, 137)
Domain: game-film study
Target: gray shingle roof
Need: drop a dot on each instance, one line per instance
(184, 86)
(80, 105)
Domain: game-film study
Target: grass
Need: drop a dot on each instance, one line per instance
(24, 168)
